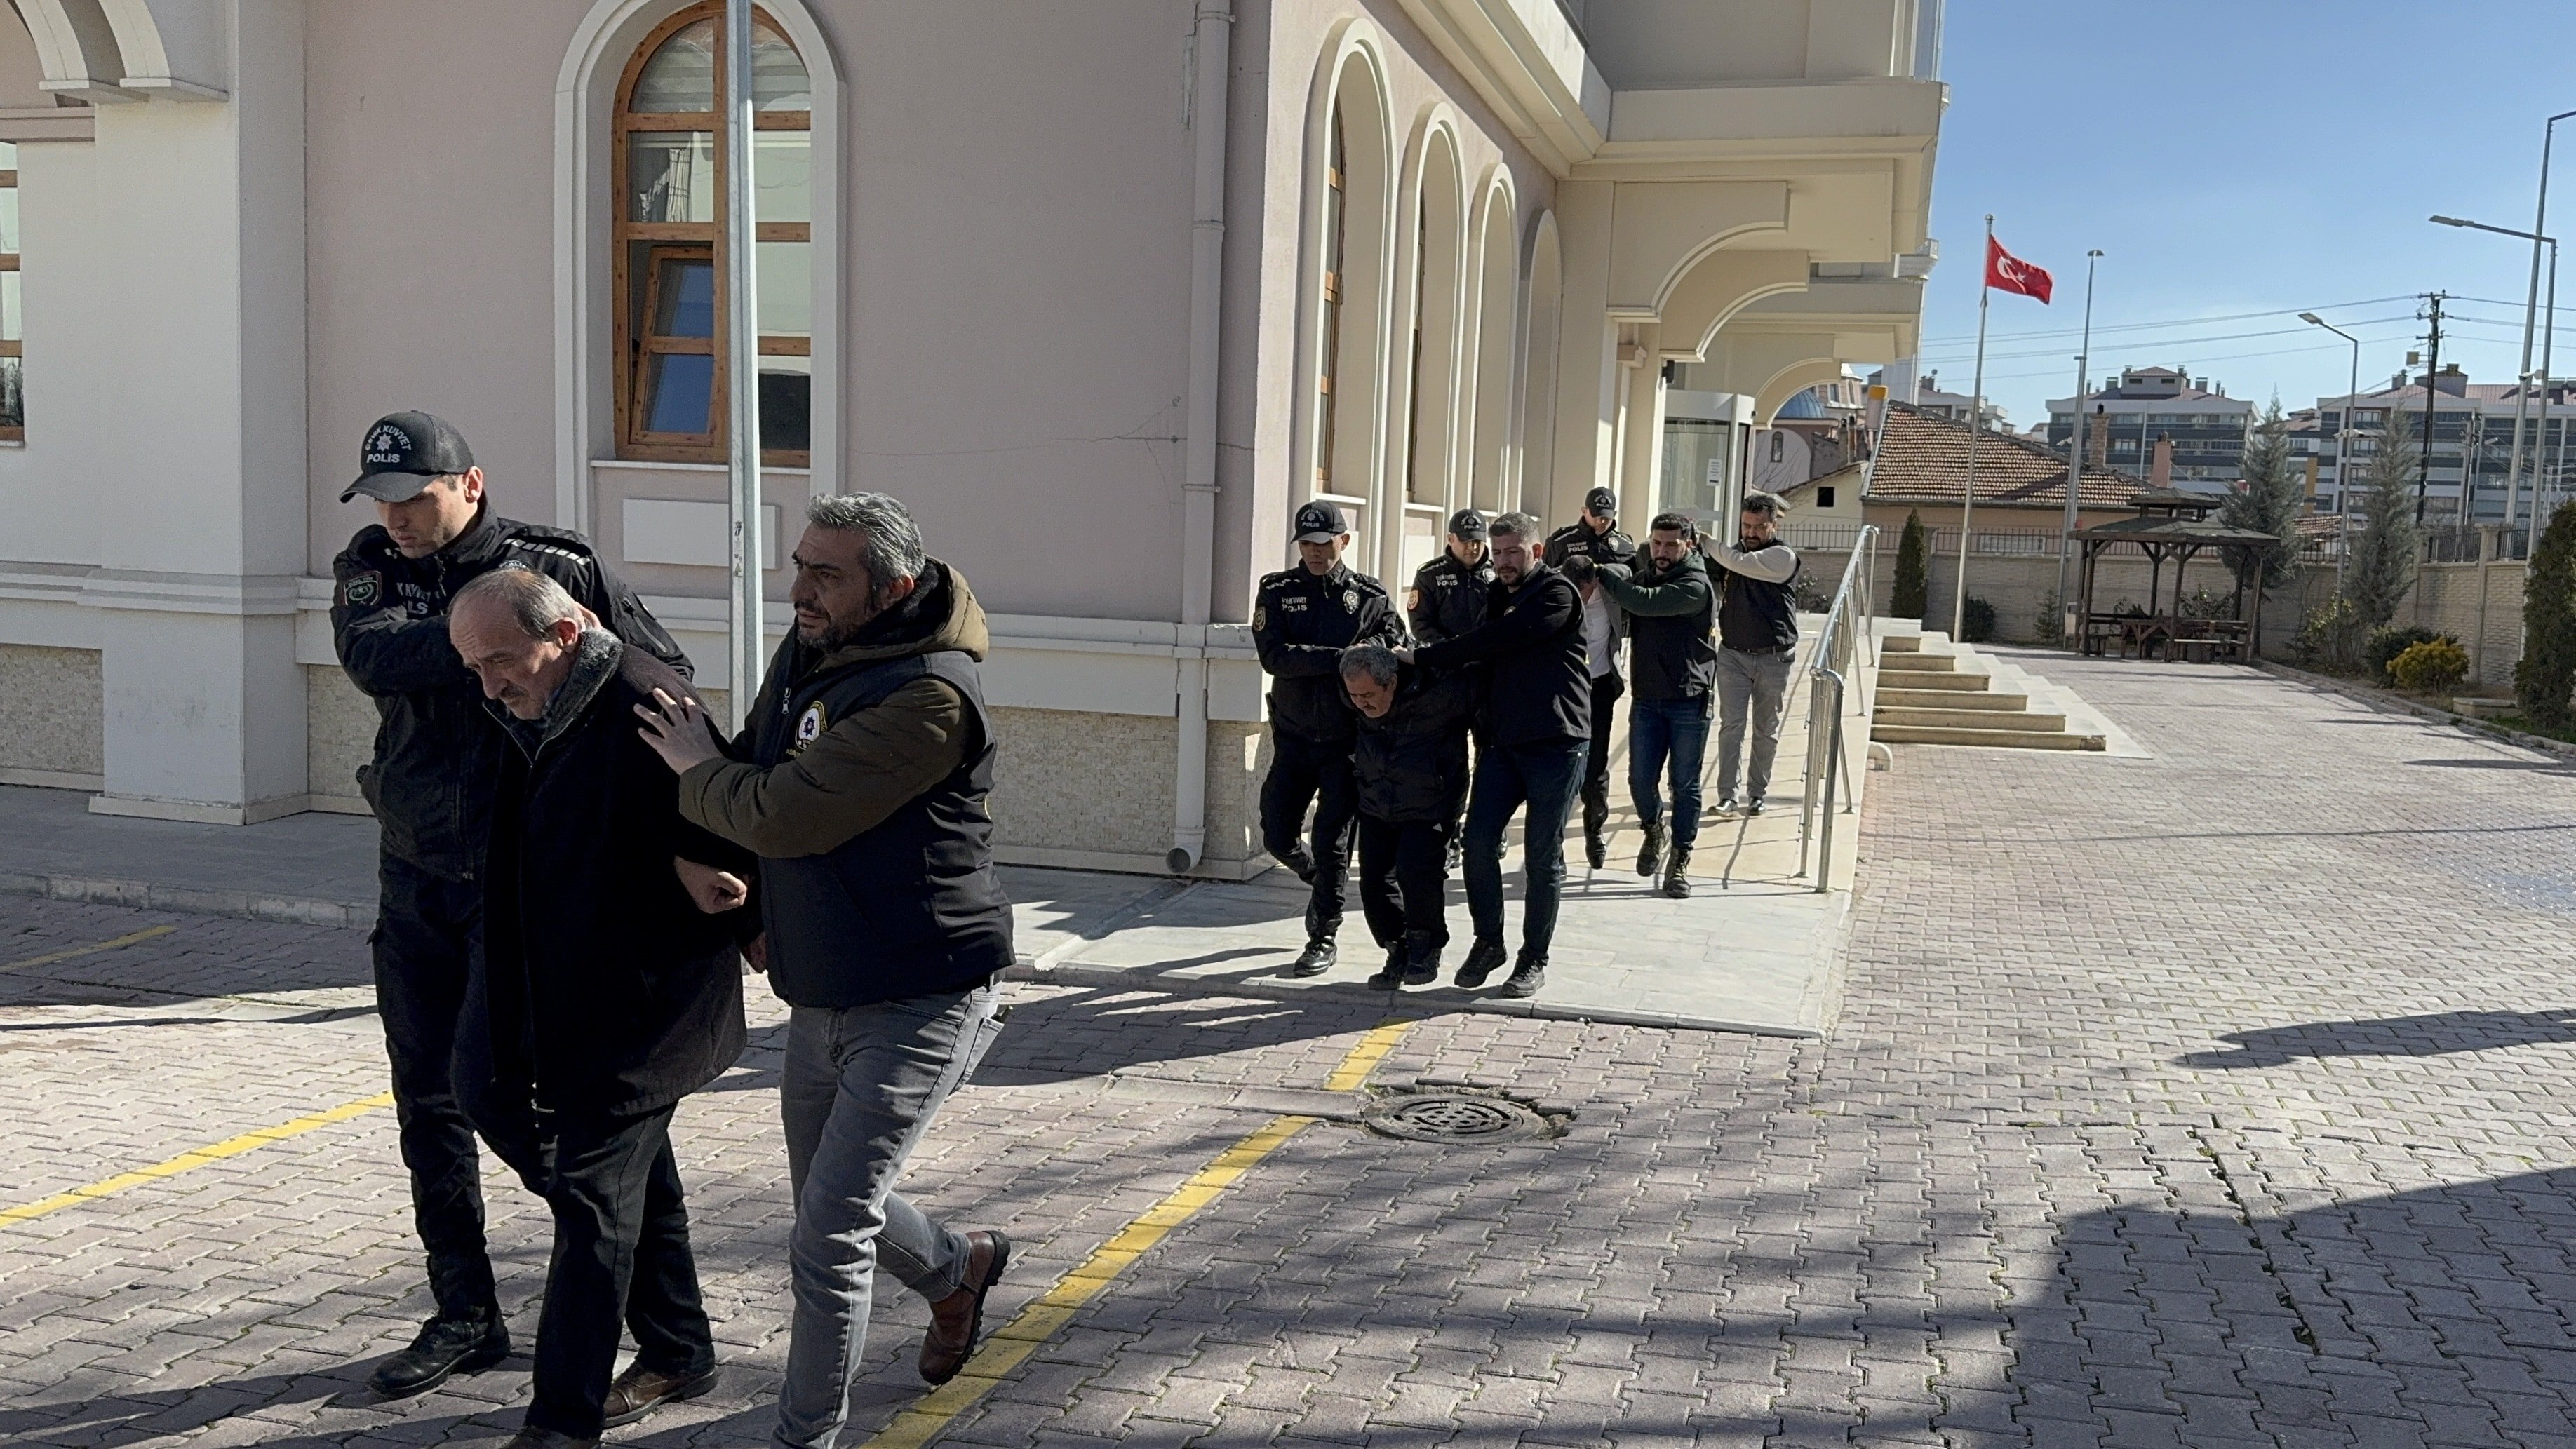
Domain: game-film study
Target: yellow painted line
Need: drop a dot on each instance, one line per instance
(51, 957)
(189, 1161)
(1007, 1347)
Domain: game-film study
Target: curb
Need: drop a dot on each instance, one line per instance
(2371, 694)
(244, 905)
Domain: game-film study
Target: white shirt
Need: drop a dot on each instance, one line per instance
(1600, 636)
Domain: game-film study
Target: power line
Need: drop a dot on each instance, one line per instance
(2101, 327)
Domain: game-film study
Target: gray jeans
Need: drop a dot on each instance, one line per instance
(1750, 687)
(860, 1087)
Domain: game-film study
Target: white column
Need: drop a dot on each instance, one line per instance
(1587, 394)
(202, 476)
(1641, 455)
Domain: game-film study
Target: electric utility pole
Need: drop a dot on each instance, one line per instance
(2432, 370)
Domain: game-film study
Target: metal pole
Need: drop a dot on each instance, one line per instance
(2075, 455)
(1976, 429)
(2531, 523)
(742, 375)
(2530, 310)
(2432, 371)
(2344, 436)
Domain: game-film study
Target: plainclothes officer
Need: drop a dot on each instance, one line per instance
(436, 759)
(1757, 636)
(1302, 620)
(1449, 593)
(1411, 765)
(1596, 536)
(1536, 718)
(1672, 612)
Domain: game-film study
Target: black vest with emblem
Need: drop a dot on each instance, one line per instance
(910, 907)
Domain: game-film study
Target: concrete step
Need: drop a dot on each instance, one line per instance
(1902, 643)
(1904, 663)
(1951, 697)
(1926, 679)
(1973, 719)
(2005, 739)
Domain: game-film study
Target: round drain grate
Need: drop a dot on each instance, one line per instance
(1456, 1117)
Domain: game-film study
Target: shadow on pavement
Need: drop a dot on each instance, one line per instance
(2440, 1033)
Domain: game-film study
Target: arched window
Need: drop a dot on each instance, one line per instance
(668, 170)
(1329, 355)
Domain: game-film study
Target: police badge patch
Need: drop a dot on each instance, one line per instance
(362, 589)
(1260, 618)
(1350, 601)
(809, 724)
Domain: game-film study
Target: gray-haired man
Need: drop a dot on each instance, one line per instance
(861, 783)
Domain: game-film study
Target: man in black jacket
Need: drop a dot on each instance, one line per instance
(1595, 535)
(1673, 652)
(436, 757)
(863, 782)
(1536, 720)
(608, 988)
(1449, 596)
(1411, 765)
(1302, 620)
(1757, 634)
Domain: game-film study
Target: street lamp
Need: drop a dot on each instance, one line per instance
(2549, 335)
(2530, 313)
(2067, 622)
(2343, 441)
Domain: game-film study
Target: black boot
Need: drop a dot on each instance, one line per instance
(1677, 874)
(1528, 975)
(1650, 858)
(1318, 957)
(459, 1345)
(1482, 960)
(1421, 958)
(1390, 977)
(1596, 851)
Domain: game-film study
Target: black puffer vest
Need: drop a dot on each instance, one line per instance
(912, 907)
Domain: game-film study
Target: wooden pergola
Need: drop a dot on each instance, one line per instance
(2175, 525)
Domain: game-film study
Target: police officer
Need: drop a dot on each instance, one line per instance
(1595, 536)
(436, 761)
(1302, 620)
(1449, 593)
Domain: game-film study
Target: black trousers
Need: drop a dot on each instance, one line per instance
(621, 1254)
(424, 937)
(1304, 771)
(1596, 765)
(1404, 880)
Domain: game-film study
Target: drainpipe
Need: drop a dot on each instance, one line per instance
(1211, 45)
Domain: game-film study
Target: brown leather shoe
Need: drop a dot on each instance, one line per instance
(957, 1319)
(640, 1390)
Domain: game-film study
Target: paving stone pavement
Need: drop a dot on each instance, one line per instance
(2216, 1098)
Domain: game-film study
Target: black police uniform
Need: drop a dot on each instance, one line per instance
(436, 763)
(1448, 597)
(1301, 623)
(1609, 546)
(1577, 540)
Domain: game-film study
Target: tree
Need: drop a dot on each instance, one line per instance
(1913, 587)
(2267, 499)
(2381, 567)
(2543, 680)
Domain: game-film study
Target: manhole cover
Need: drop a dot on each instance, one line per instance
(1456, 1116)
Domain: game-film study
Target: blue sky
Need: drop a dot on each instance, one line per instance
(2257, 157)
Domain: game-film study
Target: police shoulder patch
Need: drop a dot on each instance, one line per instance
(1350, 601)
(1260, 618)
(809, 725)
(362, 590)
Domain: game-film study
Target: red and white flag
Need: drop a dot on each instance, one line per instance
(2008, 273)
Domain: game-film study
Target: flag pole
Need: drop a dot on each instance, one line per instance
(1976, 427)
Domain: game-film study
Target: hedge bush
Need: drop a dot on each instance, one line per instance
(2435, 666)
(2390, 640)
(1910, 600)
(1976, 621)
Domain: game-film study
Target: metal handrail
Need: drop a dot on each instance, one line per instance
(1844, 643)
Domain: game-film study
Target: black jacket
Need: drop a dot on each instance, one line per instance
(1538, 684)
(1301, 623)
(1758, 616)
(1448, 597)
(1411, 762)
(1672, 645)
(1612, 547)
(437, 753)
(601, 987)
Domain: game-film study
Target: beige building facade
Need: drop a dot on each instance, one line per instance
(1103, 291)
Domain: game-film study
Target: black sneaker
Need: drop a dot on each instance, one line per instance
(1389, 977)
(1483, 959)
(1299, 863)
(445, 1346)
(1596, 851)
(1729, 808)
(1753, 806)
(1527, 977)
(1315, 960)
(1650, 857)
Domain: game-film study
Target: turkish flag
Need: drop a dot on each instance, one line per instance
(2008, 273)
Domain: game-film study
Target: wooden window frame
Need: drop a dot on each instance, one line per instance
(1336, 232)
(635, 346)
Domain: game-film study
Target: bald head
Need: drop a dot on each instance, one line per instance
(516, 629)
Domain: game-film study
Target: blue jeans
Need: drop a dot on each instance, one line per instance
(1545, 777)
(860, 1087)
(1667, 738)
